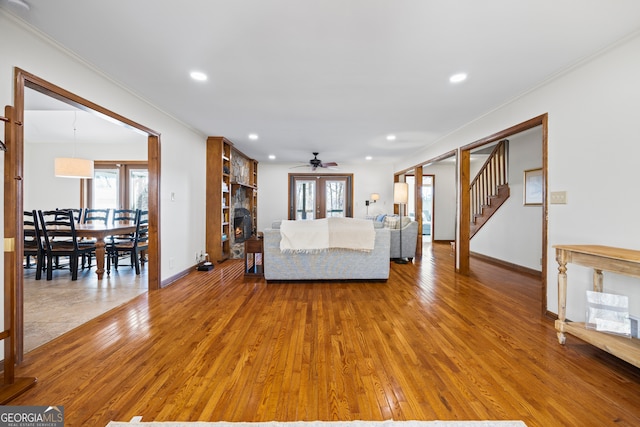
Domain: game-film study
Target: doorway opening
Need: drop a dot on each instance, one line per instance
(463, 243)
(14, 188)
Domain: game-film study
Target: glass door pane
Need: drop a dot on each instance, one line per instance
(305, 203)
(335, 198)
(139, 189)
(106, 189)
(427, 203)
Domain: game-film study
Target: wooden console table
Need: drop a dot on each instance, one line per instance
(600, 258)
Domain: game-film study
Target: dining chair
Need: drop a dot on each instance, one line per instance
(92, 216)
(135, 248)
(33, 242)
(121, 216)
(124, 215)
(96, 216)
(77, 213)
(60, 239)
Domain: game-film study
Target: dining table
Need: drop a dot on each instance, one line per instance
(100, 232)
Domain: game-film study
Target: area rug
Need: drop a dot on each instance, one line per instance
(137, 422)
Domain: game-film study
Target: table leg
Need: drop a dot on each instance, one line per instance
(597, 280)
(561, 257)
(100, 252)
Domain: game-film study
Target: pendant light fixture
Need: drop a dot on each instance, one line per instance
(72, 167)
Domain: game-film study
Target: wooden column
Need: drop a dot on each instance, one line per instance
(418, 204)
(462, 246)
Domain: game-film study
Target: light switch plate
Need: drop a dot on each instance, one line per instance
(558, 197)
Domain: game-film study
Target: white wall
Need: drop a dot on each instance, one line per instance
(183, 150)
(42, 190)
(368, 178)
(593, 151)
(514, 232)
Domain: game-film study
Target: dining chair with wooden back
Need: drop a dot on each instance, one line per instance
(93, 216)
(77, 213)
(124, 215)
(100, 216)
(33, 242)
(136, 247)
(121, 216)
(60, 239)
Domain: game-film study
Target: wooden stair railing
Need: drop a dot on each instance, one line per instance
(490, 188)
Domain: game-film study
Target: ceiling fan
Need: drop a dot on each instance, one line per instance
(317, 163)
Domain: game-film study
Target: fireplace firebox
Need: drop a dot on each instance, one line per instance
(242, 224)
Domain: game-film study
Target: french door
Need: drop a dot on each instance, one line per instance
(320, 196)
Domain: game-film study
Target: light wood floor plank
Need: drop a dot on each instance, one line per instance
(427, 344)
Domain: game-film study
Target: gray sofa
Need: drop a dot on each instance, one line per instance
(333, 264)
(409, 241)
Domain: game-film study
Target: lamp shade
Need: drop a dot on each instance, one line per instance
(70, 167)
(400, 192)
(375, 197)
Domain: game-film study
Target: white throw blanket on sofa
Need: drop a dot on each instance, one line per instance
(316, 235)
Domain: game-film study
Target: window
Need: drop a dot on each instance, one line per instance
(320, 196)
(122, 185)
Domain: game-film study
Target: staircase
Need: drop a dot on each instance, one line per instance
(490, 188)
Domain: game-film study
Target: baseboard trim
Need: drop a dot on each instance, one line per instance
(169, 280)
(506, 264)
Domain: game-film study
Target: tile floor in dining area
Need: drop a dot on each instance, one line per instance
(54, 307)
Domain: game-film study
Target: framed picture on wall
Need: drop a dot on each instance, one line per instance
(533, 187)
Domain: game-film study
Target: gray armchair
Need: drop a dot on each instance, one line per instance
(409, 241)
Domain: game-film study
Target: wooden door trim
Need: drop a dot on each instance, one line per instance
(25, 79)
(462, 244)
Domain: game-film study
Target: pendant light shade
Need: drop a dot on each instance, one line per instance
(71, 167)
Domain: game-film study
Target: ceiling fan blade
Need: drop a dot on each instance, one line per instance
(329, 164)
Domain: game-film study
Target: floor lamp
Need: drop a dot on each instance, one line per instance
(401, 197)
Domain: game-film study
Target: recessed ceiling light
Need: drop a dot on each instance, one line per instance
(368, 158)
(253, 136)
(199, 76)
(391, 137)
(272, 157)
(457, 78)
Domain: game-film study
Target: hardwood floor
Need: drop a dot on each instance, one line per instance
(428, 344)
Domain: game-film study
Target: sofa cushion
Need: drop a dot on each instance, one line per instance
(392, 222)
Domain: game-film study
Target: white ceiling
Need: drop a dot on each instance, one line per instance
(334, 76)
(49, 120)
